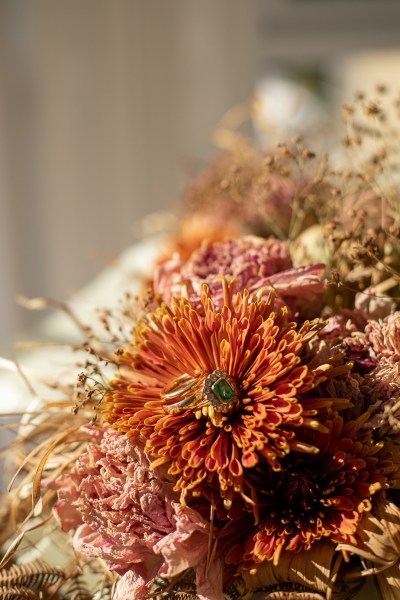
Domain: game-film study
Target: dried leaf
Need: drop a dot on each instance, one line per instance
(36, 483)
(389, 583)
(382, 547)
(12, 549)
(17, 593)
(39, 470)
(74, 589)
(14, 545)
(315, 570)
(36, 575)
(389, 517)
(286, 593)
(381, 543)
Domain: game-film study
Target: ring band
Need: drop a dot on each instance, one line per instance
(174, 390)
(182, 403)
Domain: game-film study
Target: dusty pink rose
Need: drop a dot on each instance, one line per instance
(345, 333)
(384, 337)
(126, 515)
(382, 384)
(361, 333)
(374, 350)
(254, 263)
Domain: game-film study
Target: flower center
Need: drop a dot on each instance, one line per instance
(299, 491)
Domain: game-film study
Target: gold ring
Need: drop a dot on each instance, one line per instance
(183, 403)
(219, 390)
(173, 389)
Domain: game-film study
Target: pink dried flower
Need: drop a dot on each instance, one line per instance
(249, 259)
(345, 332)
(126, 515)
(340, 340)
(254, 263)
(382, 384)
(375, 351)
(355, 346)
(384, 337)
(338, 328)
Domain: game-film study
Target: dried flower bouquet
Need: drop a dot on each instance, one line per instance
(234, 430)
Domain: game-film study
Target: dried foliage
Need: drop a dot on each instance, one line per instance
(36, 575)
(18, 593)
(286, 592)
(346, 218)
(41, 581)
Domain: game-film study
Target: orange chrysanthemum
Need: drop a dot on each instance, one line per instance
(315, 496)
(212, 392)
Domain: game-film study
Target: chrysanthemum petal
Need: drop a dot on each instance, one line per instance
(255, 354)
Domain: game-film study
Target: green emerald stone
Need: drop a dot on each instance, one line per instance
(223, 390)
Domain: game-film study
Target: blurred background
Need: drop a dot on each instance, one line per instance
(106, 108)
